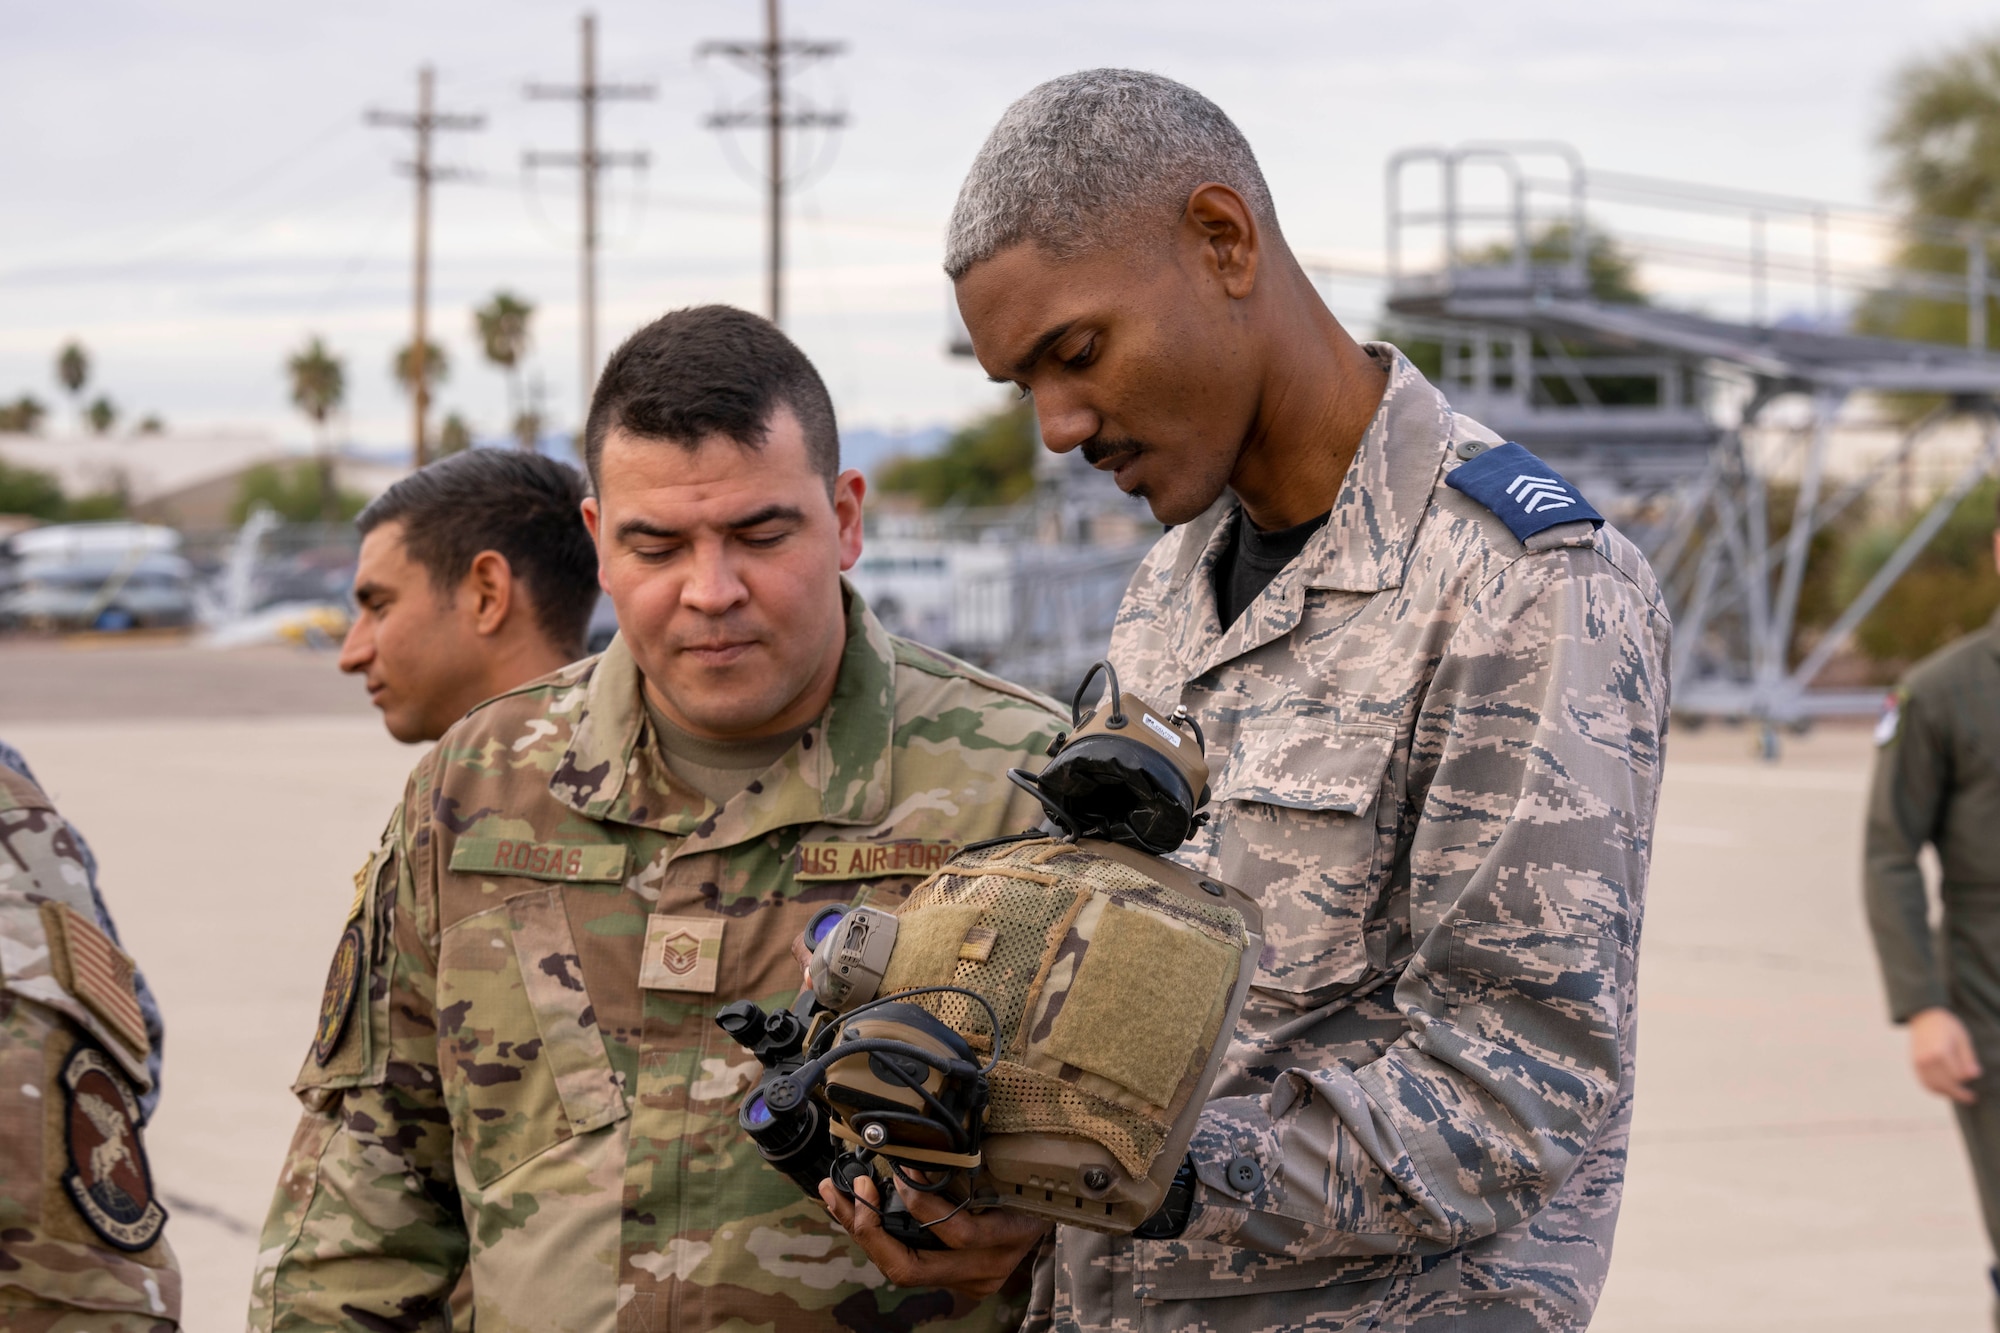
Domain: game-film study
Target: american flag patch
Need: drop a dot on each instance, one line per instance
(97, 972)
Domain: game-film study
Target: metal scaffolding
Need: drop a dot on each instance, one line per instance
(1647, 408)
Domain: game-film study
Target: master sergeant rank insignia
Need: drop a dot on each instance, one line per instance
(683, 953)
(343, 980)
(107, 1178)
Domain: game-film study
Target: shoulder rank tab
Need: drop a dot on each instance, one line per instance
(1525, 492)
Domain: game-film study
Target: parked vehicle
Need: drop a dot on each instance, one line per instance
(105, 576)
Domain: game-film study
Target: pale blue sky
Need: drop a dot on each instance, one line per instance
(189, 187)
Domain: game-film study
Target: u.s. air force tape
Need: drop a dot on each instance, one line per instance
(1525, 492)
(818, 861)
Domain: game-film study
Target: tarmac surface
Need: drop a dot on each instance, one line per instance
(1786, 1173)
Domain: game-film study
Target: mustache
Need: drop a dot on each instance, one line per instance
(1098, 452)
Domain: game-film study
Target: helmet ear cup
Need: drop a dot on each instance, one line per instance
(1126, 773)
(1115, 786)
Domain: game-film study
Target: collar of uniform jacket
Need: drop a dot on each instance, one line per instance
(838, 773)
(1365, 545)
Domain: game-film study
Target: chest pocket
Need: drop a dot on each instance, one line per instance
(523, 1064)
(1299, 827)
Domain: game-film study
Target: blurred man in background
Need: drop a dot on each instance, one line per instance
(476, 575)
(82, 1243)
(1937, 782)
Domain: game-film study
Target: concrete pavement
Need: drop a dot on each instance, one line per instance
(1786, 1172)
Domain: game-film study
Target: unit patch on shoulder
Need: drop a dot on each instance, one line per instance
(818, 861)
(1891, 720)
(107, 1177)
(343, 982)
(1525, 492)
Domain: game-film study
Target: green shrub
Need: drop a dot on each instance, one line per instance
(990, 462)
(291, 490)
(97, 507)
(26, 490)
(1949, 590)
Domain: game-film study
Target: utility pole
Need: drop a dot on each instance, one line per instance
(423, 121)
(769, 58)
(588, 162)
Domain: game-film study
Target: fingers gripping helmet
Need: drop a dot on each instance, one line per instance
(1037, 1026)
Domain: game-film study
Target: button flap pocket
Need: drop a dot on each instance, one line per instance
(552, 977)
(524, 1066)
(1307, 763)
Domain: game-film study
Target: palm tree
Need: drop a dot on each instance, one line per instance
(436, 367)
(319, 384)
(454, 436)
(1943, 140)
(501, 326)
(406, 366)
(73, 372)
(101, 414)
(1943, 134)
(24, 414)
(527, 429)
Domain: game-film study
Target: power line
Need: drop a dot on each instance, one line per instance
(423, 121)
(771, 58)
(588, 161)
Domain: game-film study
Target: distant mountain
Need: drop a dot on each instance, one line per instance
(866, 447)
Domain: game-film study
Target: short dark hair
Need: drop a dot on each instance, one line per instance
(526, 507)
(708, 370)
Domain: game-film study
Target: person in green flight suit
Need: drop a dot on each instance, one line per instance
(1937, 782)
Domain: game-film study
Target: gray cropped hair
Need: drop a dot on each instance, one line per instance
(1082, 154)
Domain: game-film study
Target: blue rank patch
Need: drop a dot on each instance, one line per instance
(1525, 492)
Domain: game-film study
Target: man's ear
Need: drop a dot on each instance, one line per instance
(849, 489)
(1222, 223)
(489, 585)
(593, 520)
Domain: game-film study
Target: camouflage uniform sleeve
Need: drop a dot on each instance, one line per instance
(149, 1005)
(1905, 808)
(1527, 827)
(365, 1231)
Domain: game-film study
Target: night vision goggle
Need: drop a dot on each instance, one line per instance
(1039, 1023)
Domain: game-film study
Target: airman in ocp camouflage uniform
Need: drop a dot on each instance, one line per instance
(527, 1076)
(81, 1243)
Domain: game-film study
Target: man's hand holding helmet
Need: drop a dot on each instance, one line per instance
(1031, 1037)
